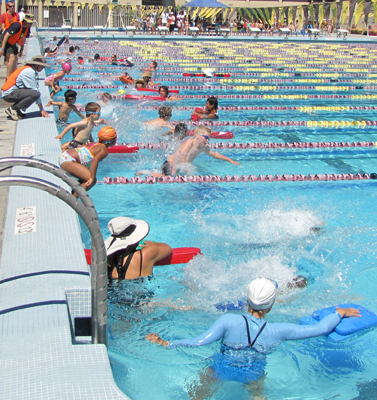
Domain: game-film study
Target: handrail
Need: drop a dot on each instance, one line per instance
(99, 259)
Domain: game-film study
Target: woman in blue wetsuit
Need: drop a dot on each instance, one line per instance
(245, 338)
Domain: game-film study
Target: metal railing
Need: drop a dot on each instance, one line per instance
(85, 209)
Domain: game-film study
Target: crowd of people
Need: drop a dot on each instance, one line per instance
(242, 336)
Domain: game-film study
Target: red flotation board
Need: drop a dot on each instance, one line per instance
(217, 135)
(154, 90)
(188, 74)
(219, 75)
(137, 97)
(180, 255)
(123, 148)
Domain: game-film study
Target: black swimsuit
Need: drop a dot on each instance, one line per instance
(122, 270)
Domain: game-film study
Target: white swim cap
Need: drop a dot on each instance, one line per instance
(261, 294)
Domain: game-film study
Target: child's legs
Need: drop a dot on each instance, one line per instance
(78, 171)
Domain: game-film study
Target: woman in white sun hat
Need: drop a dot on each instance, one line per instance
(124, 259)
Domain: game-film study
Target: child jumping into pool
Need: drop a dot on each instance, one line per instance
(53, 80)
(208, 112)
(65, 107)
(187, 152)
(82, 130)
(82, 162)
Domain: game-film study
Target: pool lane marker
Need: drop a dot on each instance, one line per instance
(235, 178)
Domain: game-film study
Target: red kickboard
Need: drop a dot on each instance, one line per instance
(180, 255)
(217, 135)
(154, 90)
(123, 149)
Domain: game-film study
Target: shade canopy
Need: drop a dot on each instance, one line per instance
(205, 3)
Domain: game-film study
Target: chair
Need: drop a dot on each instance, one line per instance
(130, 29)
(98, 29)
(67, 26)
(315, 32)
(342, 32)
(163, 30)
(256, 32)
(194, 31)
(224, 32)
(286, 32)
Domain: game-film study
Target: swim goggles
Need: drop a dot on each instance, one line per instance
(111, 141)
(93, 112)
(206, 137)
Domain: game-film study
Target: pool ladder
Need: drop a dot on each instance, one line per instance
(85, 209)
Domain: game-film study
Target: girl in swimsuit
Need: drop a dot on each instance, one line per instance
(82, 162)
(54, 79)
(124, 259)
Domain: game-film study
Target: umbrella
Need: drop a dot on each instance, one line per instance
(205, 3)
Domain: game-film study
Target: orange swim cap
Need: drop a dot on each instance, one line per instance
(106, 134)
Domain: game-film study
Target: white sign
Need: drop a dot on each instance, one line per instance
(27, 150)
(46, 14)
(26, 220)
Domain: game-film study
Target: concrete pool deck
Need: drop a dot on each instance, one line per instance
(45, 283)
(44, 278)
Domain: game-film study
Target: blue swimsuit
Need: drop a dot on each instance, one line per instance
(237, 360)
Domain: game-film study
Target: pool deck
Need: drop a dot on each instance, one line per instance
(45, 281)
(44, 278)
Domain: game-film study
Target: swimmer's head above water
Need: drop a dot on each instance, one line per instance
(180, 131)
(163, 91)
(261, 294)
(164, 112)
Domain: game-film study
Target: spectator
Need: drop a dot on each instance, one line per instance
(21, 89)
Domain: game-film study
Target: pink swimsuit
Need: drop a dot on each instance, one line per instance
(51, 78)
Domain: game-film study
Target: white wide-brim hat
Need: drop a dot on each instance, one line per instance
(261, 294)
(125, 232)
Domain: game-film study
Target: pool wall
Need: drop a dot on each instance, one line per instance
(45, 284)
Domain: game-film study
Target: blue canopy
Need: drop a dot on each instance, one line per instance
(205, 3)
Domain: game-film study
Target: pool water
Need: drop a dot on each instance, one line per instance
(245, 229)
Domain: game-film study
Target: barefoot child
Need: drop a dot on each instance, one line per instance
(83, 161)
(82, 130)
(209, 111)
(53, 80)
(65, 107)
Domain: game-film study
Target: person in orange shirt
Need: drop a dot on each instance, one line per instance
(15, 34)
(8, 17)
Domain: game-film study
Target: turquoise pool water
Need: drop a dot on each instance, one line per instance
(245, 230)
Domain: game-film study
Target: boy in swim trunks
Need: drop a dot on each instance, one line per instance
(209, 111)
(65, 107)
(82, 130)
(187, 152)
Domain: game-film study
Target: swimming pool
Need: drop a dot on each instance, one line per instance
(248, 229)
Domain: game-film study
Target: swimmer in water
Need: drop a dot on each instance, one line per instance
(163, 91)
(162, 121)
(209, 111)
(246, 339)
(124, 259)
(187, 152)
